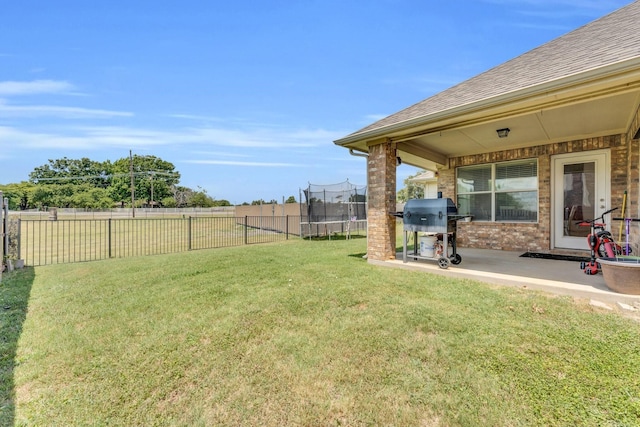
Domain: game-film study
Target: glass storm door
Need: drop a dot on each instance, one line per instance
(580, 192)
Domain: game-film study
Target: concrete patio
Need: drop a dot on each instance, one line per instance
(510, 269)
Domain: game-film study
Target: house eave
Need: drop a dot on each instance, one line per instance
(616, 76)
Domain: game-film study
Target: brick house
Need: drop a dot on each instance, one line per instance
(526, 148)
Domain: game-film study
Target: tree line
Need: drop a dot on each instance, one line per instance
(141, 181)
(89, 184)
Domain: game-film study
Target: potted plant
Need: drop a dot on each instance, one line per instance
(621, 273)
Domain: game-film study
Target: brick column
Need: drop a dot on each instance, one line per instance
(381, 232)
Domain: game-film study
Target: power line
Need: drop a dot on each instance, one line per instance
(86, 177)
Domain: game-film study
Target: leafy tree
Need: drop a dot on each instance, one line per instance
(153, 179)
(73, 171)
(262, 202)
(291, 199)
(201, 199)
(72, 196)
(184, 196)
(73, 183)
(169, 202)
(181, 195)
(411, 190)
(92, 198)
(44, 196)
(20, 195)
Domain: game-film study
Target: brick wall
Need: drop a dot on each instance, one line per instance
(633, 174)
(537, 237)
(381, 232)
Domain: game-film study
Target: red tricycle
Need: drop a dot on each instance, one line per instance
(601, 243)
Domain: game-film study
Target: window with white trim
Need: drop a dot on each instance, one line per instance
(501, 192)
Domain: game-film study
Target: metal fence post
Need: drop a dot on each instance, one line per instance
(286, 226)
(189, 233)
(2, 232)
(246, 233)
(5, 224)
(19, 239)
(109, 236)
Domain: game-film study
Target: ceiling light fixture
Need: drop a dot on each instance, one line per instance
(503, 133)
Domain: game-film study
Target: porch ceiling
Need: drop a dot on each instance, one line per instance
(605, 116)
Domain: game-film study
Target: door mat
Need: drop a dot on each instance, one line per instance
(555, 256)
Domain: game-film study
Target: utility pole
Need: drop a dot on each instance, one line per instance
(133, 188)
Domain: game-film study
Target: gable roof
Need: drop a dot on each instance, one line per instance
(610, 40)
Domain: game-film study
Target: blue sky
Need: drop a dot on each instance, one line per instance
(244, 97)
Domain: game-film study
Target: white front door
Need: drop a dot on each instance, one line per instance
(580, 191)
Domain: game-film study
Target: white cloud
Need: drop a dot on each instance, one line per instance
(35, 87)
(241, 132)
(119, 136)
(85, 140)
(262, 137)
(219, 154)
(100, 137)
(10, 89)
(15, 138)
(239, 163)
(196, 117)
(9, 110)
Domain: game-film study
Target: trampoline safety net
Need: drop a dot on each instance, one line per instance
(334, 204)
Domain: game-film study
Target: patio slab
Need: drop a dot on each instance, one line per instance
(510, 269)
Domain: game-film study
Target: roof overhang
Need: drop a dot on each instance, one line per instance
(594, 103)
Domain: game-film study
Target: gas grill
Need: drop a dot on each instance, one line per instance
(437, 218)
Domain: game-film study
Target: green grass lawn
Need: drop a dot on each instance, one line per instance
(303, 333)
